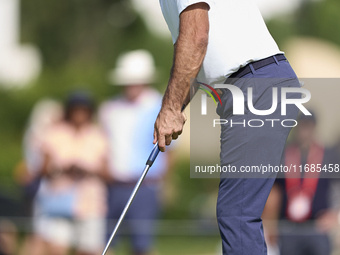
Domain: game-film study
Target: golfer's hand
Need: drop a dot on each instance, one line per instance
(169, 125)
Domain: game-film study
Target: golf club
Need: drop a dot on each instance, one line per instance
(149, 162)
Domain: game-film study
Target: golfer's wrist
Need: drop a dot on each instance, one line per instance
(171, 107)
(171, 103)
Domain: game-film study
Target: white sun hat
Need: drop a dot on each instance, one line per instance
(134, 68)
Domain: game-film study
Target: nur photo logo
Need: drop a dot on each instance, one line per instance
(240, 101)
(205, 88)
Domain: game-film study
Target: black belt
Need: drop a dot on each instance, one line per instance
(257, 65)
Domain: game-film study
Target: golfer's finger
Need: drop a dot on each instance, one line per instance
(168, 139)
(155, 136)
(184, 116)
(161, 142)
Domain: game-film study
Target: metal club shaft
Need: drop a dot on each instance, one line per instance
(149, 162)
(151, 159)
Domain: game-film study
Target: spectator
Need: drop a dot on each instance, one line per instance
(46, 113)
(128, 120)
(70, 204)
(335, 201)
(305, 196)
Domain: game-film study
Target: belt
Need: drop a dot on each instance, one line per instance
(246, 69)
(257, 65)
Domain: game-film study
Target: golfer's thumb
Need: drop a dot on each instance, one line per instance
(154, 137)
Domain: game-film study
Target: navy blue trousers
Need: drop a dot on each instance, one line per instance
(241, 199)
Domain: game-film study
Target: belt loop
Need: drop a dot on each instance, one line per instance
(252, 68)
(277, 62)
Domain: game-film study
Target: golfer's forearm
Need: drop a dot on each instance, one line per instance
(189, 53)
(186, 67)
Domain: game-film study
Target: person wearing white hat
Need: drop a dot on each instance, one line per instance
(135, 67)
(128, 119)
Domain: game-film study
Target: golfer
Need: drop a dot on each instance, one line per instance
(221, 42)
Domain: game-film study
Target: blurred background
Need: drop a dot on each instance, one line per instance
(50, 49)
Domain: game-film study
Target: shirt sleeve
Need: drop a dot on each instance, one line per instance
(183, 4)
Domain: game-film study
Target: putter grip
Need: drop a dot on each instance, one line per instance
(153, 155)
(155, 150)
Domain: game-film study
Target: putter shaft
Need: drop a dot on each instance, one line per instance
(152, 157)
(149, 163)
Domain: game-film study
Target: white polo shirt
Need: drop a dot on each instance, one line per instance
(237, 35)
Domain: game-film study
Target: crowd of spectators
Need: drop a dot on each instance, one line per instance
(81, 163)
